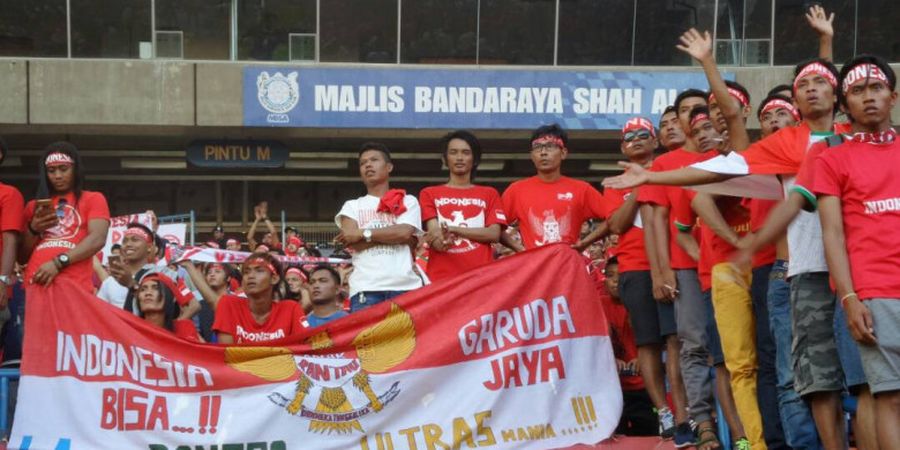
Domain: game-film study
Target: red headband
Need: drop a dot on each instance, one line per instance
(182, 294)
(261, 262)
(818, 69)
(699, 118)
(297, 271)
(779, 103)
(863, 72)
(638, 123)
(135, 231)
(217, 266)
(296, 241)
(741, 98)
(548, 138)
(58, 159)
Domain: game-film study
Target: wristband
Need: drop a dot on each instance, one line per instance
(844, 299)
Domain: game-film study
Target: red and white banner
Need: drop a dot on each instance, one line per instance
(514, 355)
(173, 232)
(214, 255)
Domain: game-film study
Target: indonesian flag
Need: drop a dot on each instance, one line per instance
(513, 355)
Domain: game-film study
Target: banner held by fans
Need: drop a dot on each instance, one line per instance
(514, 355)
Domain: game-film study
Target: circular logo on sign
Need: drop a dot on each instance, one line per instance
(277, 93)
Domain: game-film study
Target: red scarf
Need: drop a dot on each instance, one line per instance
(879, 138)
(392, 202)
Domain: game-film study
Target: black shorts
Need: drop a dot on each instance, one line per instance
(651, 321)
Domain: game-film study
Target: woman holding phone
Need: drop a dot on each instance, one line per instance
(66, 225)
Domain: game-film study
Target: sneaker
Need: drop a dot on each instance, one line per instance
(741, 444)
(684, 436)
(666, 423)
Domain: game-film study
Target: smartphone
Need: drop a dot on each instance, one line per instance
(43, 204)
(114, 259)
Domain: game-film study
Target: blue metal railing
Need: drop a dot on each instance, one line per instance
(5, 376)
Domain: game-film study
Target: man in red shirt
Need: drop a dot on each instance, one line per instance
(259, 317)
(550, 207)
(859, 204)
(653, 322)
(462, 219)
(11, 212)
(671, 136)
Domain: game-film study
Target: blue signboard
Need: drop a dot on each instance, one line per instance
(456, 98)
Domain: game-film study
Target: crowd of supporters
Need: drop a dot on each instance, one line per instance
(770, 287)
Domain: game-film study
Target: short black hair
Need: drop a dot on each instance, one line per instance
(469, 138)
(781, 87)
(115, 247)
(551, 130)
(669, 109)
(865, 59)
(699, 110)
(768, 99)
(611, 261)
(688, 94)
(378, 147)
(740, 88)
(331, 270)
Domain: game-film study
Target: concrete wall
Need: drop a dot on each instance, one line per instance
(173, 93)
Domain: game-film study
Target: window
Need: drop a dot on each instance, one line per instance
(110, 28)
(193, 29)
(517, 32)
(876, 30)
(658, 28)
(595, 33)
(358, 31)
(33, 28)
(265, 27)
(438, 31)
(795, 41)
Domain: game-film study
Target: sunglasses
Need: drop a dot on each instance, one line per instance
(637, 134)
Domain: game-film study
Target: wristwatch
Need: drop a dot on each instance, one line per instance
(367, 235)
(63, 260)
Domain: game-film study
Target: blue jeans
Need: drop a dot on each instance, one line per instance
(363, 300)
(766, 379)
(796, 419)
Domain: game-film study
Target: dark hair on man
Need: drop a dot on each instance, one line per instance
(266, 258)
(688, 94)
(669, 109)
(740, 88)
(780, 88)
(171, 310)
(611, 261)
(469, 138)
(70, 150)
(143, 228)
(331, 271)
(768, 99)
(551, 130)
(378, 147)
(865, 59)
(699, 110)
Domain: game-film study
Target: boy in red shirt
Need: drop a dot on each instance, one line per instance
(550, 207)
(859, 203)
(259, 317)
(462, 219)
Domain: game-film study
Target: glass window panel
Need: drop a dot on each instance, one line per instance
(758, 19)
(169, 44)
(517, 31)
(110, 28)
(205, 26)
(303, 47)
(438, 31)
(33, 28)
(795, 41)
(358, 31)
(730, 23)
(877, 29)
(594, 33)
(264, 27)
(659, 26)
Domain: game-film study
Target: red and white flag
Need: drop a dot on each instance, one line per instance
(513, 355)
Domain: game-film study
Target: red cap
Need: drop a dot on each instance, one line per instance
(638, 123)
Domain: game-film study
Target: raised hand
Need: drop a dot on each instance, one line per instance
(699, 46)
(820, 21)
(634, 175)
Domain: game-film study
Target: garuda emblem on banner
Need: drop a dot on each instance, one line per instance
(333, 381)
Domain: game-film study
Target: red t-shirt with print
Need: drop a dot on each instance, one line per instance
(472, 207)
(233, 317)
(551, 212)
(630, 250)
(675, 198)
(863, 176)
(69, 232)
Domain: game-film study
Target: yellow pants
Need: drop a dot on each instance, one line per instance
(737, 329)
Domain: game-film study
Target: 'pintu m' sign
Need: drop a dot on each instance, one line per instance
(237, 154)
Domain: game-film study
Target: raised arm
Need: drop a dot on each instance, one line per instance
(208, 294)
(635, 175)
(823, 24)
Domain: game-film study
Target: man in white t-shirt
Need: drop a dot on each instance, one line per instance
(138, 249)
(380, 228)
